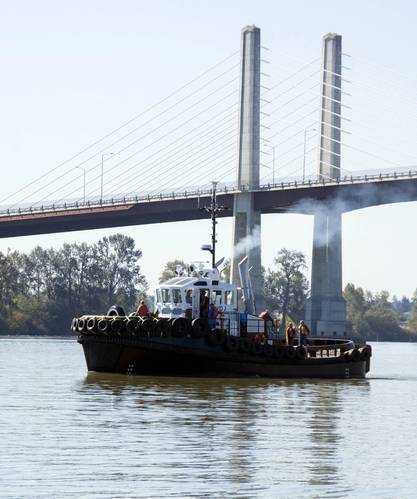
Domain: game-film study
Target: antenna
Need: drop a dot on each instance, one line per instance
(213, 209)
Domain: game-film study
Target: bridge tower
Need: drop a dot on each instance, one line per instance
(247, 220)
(326, 310)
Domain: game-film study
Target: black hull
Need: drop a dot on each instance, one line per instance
(190, 357)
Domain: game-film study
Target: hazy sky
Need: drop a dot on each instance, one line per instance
(72, 71)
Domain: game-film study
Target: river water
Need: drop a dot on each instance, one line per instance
(68, 434)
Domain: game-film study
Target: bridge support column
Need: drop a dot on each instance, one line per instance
(247, 220)
(326, 310)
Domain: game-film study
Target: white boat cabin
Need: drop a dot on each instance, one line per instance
(191, 293)
(194, 293)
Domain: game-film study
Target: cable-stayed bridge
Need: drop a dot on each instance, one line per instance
(272, 135)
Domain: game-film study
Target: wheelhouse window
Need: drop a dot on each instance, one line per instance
(189, 296)
(158, 296)
(166, 295)
(228, 297)
(176, 295)
(216, 297)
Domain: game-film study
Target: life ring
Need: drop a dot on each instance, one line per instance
(180, 327)
(74, 324)
(116, 310)
(117, 325)
(103, 326)
(355, 355)
(231, 344)
(290, 352)
(91, 324)
(301, 352)
(199, 328)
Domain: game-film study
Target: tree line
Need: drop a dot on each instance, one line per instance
(374, 316)
(42, 290)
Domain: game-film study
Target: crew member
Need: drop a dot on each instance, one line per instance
(304, 332)
(269, 322)
(291, 332)
(265, 315)
(212, 314)
(142, 310)
(260, 338)
(204, 304)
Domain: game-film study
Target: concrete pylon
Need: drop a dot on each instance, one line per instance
(247, 220)
(326, 310)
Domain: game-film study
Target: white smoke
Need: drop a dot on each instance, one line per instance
(251, 241)
(364, 196)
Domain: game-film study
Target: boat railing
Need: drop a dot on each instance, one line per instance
(253, 327)
(328, 347)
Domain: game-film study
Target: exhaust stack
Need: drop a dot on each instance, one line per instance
(247, 290)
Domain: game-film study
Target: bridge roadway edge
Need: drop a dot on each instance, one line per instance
(297, 200)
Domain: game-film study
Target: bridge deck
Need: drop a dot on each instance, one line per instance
(350, 193)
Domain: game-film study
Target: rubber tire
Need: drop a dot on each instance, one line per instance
(257, 348)
(103, 326)
(164, 327)
(91, 324)
(355, 355)
(117, 325)
(231, 344)
(74, 324)
(244, 345)
(215, 338)
(279, 353)
(290, 353)
(180, 327)
(116, 310)
(146, 326)
(199, 328)
(81, 325)
(366, 353)
(300, 352)
(132, 325)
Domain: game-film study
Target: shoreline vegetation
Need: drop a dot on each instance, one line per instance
(41, 291)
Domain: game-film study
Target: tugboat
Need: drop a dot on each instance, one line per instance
(197, 329)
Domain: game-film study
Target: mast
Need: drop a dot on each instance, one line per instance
(213, 209)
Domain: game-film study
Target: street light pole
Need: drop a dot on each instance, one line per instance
(102, 172)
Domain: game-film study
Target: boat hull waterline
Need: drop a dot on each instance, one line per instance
(170, 356)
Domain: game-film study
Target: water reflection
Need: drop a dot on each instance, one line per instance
(254, 433)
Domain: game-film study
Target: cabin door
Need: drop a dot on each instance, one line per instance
(196, 303)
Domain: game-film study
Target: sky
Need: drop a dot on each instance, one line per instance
(73, 71)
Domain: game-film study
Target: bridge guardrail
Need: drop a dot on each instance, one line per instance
(107, 203)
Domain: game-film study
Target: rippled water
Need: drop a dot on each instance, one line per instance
(65, 433)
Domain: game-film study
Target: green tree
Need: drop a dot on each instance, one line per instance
(286, 287)
(373, 316)
(170, 269)
(42, 290)
(412, 318)
(119, 270)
